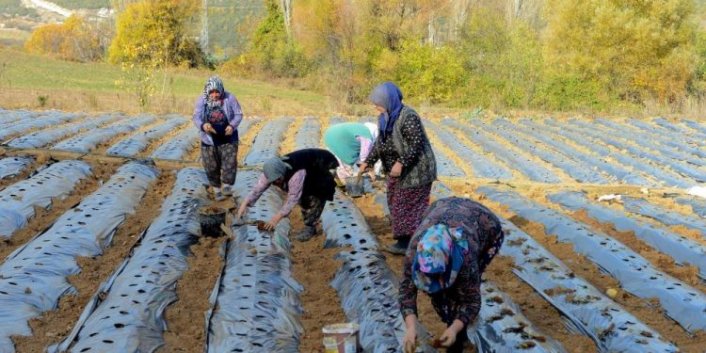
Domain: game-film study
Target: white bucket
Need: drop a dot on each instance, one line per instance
(341, 338)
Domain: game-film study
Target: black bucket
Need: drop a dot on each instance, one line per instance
(354, 187)
(211, 219)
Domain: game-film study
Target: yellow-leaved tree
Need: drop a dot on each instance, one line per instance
(74, 39)
(152, 35)
(633, 50)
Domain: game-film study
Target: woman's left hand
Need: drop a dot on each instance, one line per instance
(270, 226)
(396, 170)
(448, 337)
(229, 130)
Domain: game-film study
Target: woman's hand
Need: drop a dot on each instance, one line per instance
(208, 128)
(396, 170)
(448, 338)
(229, 130)
(410, 336)
(241, 211)
(362, 167)
(410, 340)
(270, 226)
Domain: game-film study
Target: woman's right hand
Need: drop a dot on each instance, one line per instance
(209, 129)
(241, 210)
(410, 336)
(410, 340)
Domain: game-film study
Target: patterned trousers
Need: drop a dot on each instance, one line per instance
(312, 207)
(407, 207)
(220, 163)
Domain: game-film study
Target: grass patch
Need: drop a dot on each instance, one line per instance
(68, 84)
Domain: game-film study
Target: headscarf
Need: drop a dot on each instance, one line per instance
(388, 96)
(439, 258)
(213, 83)
(275, 168)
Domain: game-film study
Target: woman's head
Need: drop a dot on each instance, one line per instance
(213, 90)
(386, 97)
(438, 258)
(274, 169)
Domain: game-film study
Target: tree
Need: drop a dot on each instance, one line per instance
(636, 50)
(157, 31)
(75, 39)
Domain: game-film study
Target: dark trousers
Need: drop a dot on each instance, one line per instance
(312, 207)
(220, 163)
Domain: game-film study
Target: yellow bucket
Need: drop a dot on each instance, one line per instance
(341, 338)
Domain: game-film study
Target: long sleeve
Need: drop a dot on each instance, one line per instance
(234, 111)
(257, 191)
(295, 187)
(375, 153)
(408, 290)
(198, 114)
(366, 145)
(467, 292)
(413, 134)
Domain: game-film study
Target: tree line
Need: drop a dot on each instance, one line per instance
(519, 54)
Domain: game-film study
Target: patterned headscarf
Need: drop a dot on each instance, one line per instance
(439, 258)
(388, 96)
(213, 83)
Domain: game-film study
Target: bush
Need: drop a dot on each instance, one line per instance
(73, 40)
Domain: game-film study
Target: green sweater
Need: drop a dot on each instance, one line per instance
(341, 140)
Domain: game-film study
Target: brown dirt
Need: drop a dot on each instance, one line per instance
(537, 310)
(288, 144)
(248, 139)
(39, 160)
(53, 326)
(648, 312)
(153, 145)
(185, 318)
(314, 268)
(44, 218)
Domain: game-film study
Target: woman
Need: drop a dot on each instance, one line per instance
(217, 115)
(306, 177)
(351, 144)
(446, 258)
(407, 159)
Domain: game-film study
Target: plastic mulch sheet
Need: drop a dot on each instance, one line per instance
(587, 311)
(657, 142)
(682, 249)
(695, 126)
(36, 121)
(178, 147)
(525, 166)
(698, 205)
(636, 275)
(577, 170)
(10, 116)
(309, 134)
(86, 142)
(502, 328)
(256, 304)
(344, 225)
(138, 142)
(267, 142)
(12, 166)
(45, 137)
(17, 201)
(684, 143)
(641, 151)
(246, 124)
(670, 218)
(34, 277)
(552, 137)
(581, 137)
(126, 313)
(482, 167)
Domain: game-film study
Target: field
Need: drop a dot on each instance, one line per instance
(103, 253)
